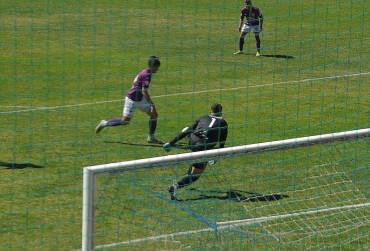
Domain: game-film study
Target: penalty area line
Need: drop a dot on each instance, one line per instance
(53, 108)
(22, 106)
(235, 223)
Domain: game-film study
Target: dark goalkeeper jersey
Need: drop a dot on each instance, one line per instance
(206, 133)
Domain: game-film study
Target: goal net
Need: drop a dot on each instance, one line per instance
(289, 194)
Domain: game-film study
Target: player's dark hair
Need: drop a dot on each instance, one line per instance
(216, 108)
(154, 61)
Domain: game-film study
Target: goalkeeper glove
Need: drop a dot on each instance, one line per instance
(167, 147)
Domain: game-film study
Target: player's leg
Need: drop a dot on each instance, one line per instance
(258, 40)
(193, 175)
(151, 111)
(153, 119)
(243, 33)
(119, 121)
(128, 111)
(241, 43)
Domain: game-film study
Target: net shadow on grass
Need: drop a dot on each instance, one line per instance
(234, 195)
(9, 165)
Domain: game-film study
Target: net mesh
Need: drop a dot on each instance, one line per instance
(302, 199)
(65, 65)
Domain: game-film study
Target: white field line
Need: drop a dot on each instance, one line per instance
(15, 106)
(235, 223)
(20, 106)
(191, 93)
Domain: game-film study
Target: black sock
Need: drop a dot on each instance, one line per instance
(152, 126)
(258, 43)
(241, 44)
(187, 180)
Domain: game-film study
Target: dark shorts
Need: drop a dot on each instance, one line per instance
(201, 165)
(197, 147)
(253, 23)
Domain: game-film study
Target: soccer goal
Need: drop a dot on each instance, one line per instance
(293, 193)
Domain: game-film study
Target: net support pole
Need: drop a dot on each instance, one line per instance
(88, 210)
(90, 173)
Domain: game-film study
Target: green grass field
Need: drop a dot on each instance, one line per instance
(65, 65)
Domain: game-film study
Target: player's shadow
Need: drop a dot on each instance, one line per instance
(179, 146)
(235, 195)
(9, 165)
(131, 144)
(277, 56)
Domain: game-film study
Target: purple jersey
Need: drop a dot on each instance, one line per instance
(142, 81)
(252, 15)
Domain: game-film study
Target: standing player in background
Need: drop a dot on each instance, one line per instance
(138, 97)
(206, 133)
(253, 22)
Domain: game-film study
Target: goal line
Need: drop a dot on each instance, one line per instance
(90, 174)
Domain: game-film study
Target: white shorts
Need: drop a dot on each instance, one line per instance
(130, 106)
(255, 28)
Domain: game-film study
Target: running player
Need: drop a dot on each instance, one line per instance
(253, 22)
(206, 133)
(138, 97)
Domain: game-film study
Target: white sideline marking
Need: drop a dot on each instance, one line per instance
(190, 93)
(16, 106)
(232, 224)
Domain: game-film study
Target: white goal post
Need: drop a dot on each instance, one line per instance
(90, 173)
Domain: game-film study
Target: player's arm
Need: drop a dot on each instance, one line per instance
(185, 132)
(145, 92)
(147, 96)
(261, 20)
(222, 140)
(223, 136)
(241, 21)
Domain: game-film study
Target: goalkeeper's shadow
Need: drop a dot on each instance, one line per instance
(235, 195)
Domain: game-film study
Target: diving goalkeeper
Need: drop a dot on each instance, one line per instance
(206, 133)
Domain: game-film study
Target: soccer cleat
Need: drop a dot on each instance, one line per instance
(172, 190)
(258, 54)
(238, 52)
(152, 140)
(100, 126)
(212, 162)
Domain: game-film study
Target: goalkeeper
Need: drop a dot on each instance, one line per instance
(206, 133)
